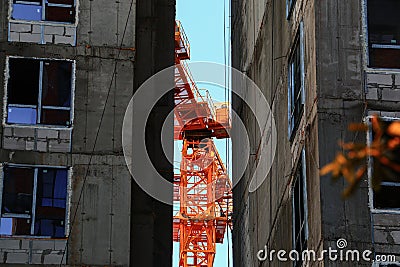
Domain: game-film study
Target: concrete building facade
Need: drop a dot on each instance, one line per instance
(69, 69)
(321, 65)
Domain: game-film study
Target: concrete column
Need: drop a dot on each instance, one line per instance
(151, 221)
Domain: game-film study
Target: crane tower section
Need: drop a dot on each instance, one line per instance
(202, 189)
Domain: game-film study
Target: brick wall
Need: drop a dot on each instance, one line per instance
(386, 234)
(37, 139)
(41, 33)
(31, 251)
(383, 86)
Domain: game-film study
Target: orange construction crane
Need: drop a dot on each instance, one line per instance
(202, 187)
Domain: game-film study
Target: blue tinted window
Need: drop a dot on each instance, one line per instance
(6, 225)
(15, 226)
(27, 12)
(48, 10)
(48, 227)
(26, 100)
(21, 115)
(51, 202)
(52, 188)
(17, 201)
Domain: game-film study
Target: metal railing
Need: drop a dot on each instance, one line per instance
(205, 97)
(182, 37)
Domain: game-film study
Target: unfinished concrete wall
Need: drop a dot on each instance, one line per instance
(103, 232)
(348, 91)
(151, 224)
(264, 218)
(339, 89)
(100, 232)
(340, 102)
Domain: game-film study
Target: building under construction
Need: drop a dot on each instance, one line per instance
(70, 68)
(322, 65)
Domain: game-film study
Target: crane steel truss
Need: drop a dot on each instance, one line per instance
(202, 187)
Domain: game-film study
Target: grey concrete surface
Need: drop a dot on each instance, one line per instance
(340, 89)
(114, 226)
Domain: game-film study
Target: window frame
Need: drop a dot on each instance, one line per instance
(300, 173)
(34, 193)
(370, 171)
(39, 107)
(289, 8)
(43, 20)
(298, 43)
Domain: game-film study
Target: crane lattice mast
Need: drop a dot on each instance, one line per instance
(202, 187)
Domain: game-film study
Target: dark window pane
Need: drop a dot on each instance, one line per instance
(15, 226)
(297, 71)
(60, 186)
(295, 88)
(23, 84)
(384, 29)
(47, 202)
(57, 202)
(384, 21)
(61, 14)
(303, 237)
(27, 12)
(57, 83)
(51, 202)
(22, 226)
(55, 117)
(52, 187)
(290, 4)
(17, 191)
(21, 115)
(387, 172)
(297, 97)
(299, 213)
(297, 205)
(52, 228)
(387, 197)
(384, 58)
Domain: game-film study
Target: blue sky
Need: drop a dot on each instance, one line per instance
(203, 22)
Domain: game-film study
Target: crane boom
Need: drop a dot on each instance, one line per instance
(202, 187)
